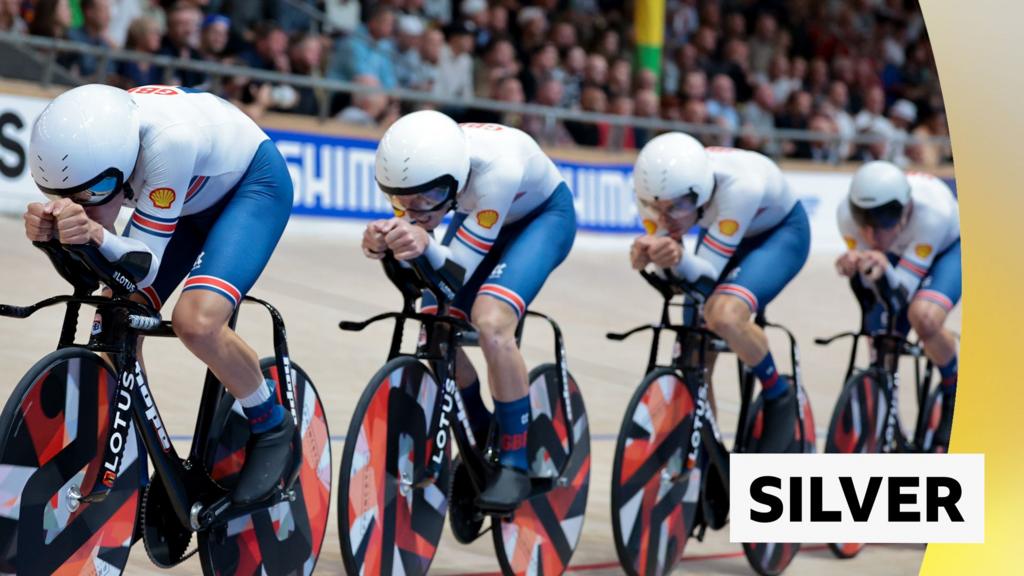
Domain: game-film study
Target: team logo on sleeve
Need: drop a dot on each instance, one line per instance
(923, 250)
(162, 197)
(650, 226)
(850, 242)
(728, 227)
(487, 219)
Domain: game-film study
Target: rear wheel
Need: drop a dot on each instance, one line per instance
(387, 526)
(284, 538)
(770, 559)
(857, 426)
(539, 538)
(53, 432)
(654, 500)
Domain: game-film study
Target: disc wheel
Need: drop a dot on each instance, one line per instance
(53, 432)
(857, 426)
(286, 537)
(654, 500)
(386, 525)
(540, 536)
(769, 558)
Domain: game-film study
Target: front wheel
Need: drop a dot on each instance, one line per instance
(53, 432)
(654, 499)
(857, 427)
(771, 559)
(539, 538)
(387, 525)
(284, 538)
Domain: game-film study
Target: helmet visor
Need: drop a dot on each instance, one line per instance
(99, 190)
(676, 208)
(429, 197)
(881, 217)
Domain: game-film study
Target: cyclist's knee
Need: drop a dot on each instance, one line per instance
(727, 315)
(927, 318)
(496, 323)
(200, 320)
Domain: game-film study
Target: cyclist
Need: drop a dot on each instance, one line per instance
(907, 228)
(211, 196)
(514, 222)
(754, 238)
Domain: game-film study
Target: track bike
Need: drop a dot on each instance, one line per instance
(76, 433)
(398, 479)
(866, 416)
(670, 476)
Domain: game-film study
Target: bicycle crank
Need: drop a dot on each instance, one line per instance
(165, 539)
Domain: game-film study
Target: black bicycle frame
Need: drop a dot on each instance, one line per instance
(116, 333)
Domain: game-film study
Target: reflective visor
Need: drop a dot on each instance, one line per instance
(676, 208)
(428, 197)
(96, 191)
(880, 217)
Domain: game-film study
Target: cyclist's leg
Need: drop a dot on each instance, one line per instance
(939, 293)
(764, 266)
(530, 251)
(237, 249)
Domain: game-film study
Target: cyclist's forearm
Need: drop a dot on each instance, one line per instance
(115, 248)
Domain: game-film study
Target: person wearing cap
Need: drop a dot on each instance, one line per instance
(906, 227)
(513, 223)
(754, 238)
(213, 37)
(902, 115)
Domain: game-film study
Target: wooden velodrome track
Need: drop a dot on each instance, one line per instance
(318, 276)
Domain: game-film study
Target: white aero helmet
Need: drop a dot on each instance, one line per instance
(673, 167)
(879, 193)
(422, 162)
(85, 143)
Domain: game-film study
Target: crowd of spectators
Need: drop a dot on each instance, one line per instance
(844, 68)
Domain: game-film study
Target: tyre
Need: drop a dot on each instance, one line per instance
(769, 558)
(856, 427)
(654, 501)
(285, 538)
(539, 538)
(385, 526)
(53, 432)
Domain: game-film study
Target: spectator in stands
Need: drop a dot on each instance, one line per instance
(95, 19)
(837, 106)
(533, 27)
(593, 99)
(818, 78)
(722, 105)
(213, 37)
(499, 62)
(431, 52)
(10, 17)
(367, 108)
(408, 43)
(758, 118)
(737, 67)
(902, 115)
(620, 78)
(645, 105)
(477, 19)
(614, 136)
(684, 60)
(796, 115)
(783, 83)
(695, 86)
(596, 73)
(871, 116)
(143, 36)
(548, 131)
(269, 49)
(368, 51)
(246, 14)
(294, 16)
(822, 150)
(543, 61)
(574, 67)
(563, 36)
(180, 41)
(306, 55)
(52, 19)
(455, 75)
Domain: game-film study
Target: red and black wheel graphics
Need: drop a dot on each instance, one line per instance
(654, 498)
(540, 537)
(285, 538)
(857, 427)
(770, 558)
(386, 525)
(930, 424)
(54, 429)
